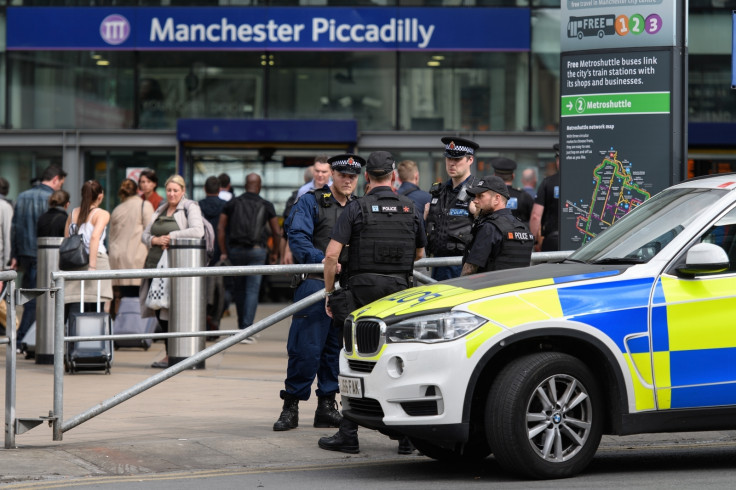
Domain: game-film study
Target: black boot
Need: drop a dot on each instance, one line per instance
(289, 418)
(405, 446)
(345, 440)
(327, 414)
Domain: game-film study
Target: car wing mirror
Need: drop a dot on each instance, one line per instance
(704, 258)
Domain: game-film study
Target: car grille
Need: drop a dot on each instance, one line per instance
(361, 366)
(366, 406)
(347, 337)
(367, 336)
(418, 409)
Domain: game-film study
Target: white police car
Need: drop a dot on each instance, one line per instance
(634, 333)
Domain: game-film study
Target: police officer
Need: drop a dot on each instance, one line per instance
(313, 344)
(449, 215)
(544, 223)
(379, 229)
(500, 240)
(520, 202)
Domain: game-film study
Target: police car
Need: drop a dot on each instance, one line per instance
(634, 333)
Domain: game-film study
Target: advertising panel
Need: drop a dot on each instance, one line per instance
(272, 28)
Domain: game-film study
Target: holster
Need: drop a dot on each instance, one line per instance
(296, 280)
(342, 303)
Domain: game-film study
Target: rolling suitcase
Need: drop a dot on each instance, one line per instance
(129, 321)
(88, 355)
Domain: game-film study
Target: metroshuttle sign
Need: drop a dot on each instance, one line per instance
(273, 28)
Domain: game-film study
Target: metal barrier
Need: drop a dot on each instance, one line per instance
(15, 425)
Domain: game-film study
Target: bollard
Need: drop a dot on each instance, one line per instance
(187, 308)
(48, 262)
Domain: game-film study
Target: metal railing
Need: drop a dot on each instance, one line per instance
(59, 278)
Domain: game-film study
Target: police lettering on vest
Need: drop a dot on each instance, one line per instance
(516, 246)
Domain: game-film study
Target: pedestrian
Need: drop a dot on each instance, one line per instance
(243, 221)
(529, 181)
(520, 203)
(314, 344)
(226, 190)
(52, 223)
(29, 207)
(409, 177)
(127, 251)
(6, 222)
(385, 235)
(500, 239)
(320, 176)
(177, 217)
(449, 216)
(544, 222)
(147, 183)
(90, 221)
(211, 207)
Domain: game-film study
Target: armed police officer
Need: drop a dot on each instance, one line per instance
(384, 235)
(449, 215)
(313, 344)
(500, 240)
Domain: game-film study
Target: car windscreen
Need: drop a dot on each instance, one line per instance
(646, 230)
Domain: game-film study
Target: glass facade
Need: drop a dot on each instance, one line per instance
(399, 92)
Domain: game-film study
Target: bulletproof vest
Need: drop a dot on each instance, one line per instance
(449, 222)
(248, 220)
(385, 244)
(517, 244)
(328, 212)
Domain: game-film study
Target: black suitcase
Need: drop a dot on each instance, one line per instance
(88, 355)
(128, 321)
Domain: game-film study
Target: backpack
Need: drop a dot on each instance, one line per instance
(248, 220)
(209, 234)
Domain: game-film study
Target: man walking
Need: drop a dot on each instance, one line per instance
(314, 344)
(449, 215)
(500, 240)
(243, 220)
(384, 235)
(29, 206)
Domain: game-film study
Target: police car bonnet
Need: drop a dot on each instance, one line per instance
(456, 147)
(346, 163)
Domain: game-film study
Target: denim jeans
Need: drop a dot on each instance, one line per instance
(446, 272)
(28, 266)
(246, 288)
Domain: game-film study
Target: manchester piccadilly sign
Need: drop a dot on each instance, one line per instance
(271, 28)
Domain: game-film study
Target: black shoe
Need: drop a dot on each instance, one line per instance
(327, 414)
(340, 442)
(160, 364)
(405, 446)
(289, 418)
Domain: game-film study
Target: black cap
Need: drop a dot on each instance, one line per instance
(456, 147)
(489, 183)
(346, 163)
(503, 164)
(380, 163)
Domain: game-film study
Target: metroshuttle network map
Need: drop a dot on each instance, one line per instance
(617, 189)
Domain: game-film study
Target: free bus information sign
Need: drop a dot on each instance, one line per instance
(272, 28)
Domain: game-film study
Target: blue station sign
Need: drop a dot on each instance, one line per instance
(268, 28)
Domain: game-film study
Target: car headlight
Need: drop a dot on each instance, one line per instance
(434, 328)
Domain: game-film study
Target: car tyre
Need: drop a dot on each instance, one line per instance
(544, 416)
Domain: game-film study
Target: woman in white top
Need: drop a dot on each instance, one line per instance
(90, 221)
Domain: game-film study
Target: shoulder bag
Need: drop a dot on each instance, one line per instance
(72, 254)
(158, 292)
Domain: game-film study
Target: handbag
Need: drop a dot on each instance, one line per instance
(72, 254)
(158, 293)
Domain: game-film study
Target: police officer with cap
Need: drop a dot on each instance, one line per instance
(520, 202)
(449, 216)
(314, 344)
(385, 236)
(500, 240)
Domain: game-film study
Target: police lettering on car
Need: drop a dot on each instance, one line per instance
(500, 240)
(449, 216)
